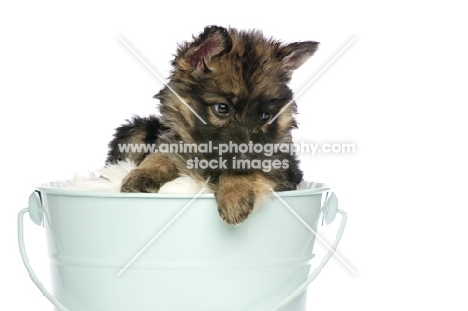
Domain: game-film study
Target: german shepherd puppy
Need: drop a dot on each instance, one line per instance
(226, 101)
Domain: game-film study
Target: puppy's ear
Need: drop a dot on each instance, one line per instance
(213, 41)
(295, 54)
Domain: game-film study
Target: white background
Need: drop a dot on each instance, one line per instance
(398, 92)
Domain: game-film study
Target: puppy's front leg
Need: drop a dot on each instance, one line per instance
(155, 170)
(238, 194)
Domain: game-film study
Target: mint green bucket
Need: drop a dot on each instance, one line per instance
(165, 252)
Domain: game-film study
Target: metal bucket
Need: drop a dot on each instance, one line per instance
(120, 252)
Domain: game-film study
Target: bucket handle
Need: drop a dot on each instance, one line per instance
(25, 258)
(313, 275)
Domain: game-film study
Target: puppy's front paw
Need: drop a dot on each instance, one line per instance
(235, 206)
(141, 180)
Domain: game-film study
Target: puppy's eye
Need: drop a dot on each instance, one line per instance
(265, 115)
(221, 109)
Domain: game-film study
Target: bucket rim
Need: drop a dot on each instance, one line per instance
(313, 188)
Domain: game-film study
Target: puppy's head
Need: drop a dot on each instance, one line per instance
(236, 82)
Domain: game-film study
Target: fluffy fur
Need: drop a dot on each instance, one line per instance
(109, 179)
(236, 81)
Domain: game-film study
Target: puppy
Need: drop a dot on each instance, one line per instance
(226, 116)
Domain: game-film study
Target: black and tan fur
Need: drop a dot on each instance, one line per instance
(243, 70)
